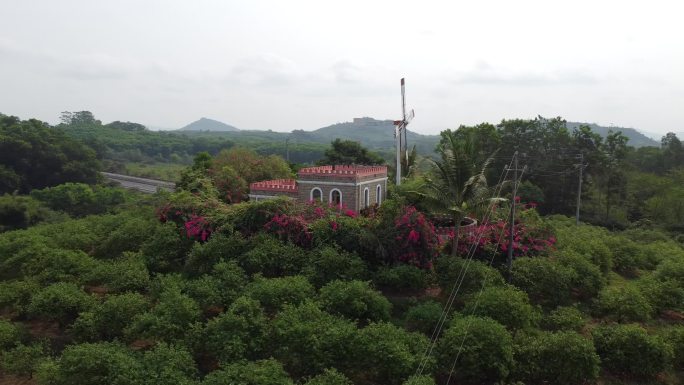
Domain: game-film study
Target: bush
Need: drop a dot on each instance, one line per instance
(15, 296)
(662, 295)
(59, 266)
(486, 355)
(624, 304)
(168, 320)
(167, 364)
(329, 264)
(96, 364)
(60, 302)
(108, 320)
(419, 380)
(555, 358)
(329, 377)
(588, 280)
(275, 293)
(23, 359)
(128, 273)
(272, 258)
(675, 336)
(547, 282)
(355, 300)
(388, 354)
(629, 350)
(308, 340)
(236, 334)
(10, 335)
(402, 278)
(506, 305)
(423, 317)
(587, 241)
(127, 236)
(250, 373)
(166, 249)
(627, 255)
(449, 269)
(220, 247)
(564, 318)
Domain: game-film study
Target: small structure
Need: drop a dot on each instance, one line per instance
(355, 187)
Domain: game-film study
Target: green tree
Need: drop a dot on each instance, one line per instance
(506, 305)
(329, 377)
(265, 372)
(96, 364)
(60, 302)
(349, 152)
(275, 293)
(355, 300)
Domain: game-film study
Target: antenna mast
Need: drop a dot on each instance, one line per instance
(401, 129)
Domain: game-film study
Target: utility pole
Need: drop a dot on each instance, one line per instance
(579, 188)
(401, 127)
(511, 221)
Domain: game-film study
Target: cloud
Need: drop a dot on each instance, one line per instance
(484, 74)
(266, 70)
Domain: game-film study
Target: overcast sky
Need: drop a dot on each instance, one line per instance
(286, 65)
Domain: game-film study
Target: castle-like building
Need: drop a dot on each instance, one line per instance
(355, 187)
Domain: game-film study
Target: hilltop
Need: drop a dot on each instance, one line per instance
(206, 124)
(636, 138)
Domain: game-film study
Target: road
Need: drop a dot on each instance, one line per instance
(145, 185)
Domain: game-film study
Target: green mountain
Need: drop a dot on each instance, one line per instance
(206, 124)
(636, 138)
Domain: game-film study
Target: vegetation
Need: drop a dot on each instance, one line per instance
(102, 286)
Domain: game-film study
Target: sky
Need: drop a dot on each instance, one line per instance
(285, 65)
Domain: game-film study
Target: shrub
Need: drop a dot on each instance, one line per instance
(449, 269)
(168, 320)
(308, 340)
(485, 347)
(402, 278)
(15, 296)
(388, 354)
(624, 304)
(23, 359)
(10, 335)
(167, 364)
(128, 273)
(587, 280)
(328, 264)
(59, 266)
(628, 349)
(627, 255)
(60, 302)
(415, 240)
(97, 363)
(419, 380)
(423, 317)
(272, 258)
(166, 249)
(236, 334)
(675, 336)
(547, 282)
(329, 377)
(564, 318)
(128, 236)
(506, 305)
(350, 234)
(250, 373)
(275, 293)
(108, 320)
(555, 358)
(220, 247)
(587, 241)
(662, 295)
(355, 300)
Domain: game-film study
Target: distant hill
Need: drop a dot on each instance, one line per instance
(206, 124)
(636, 138)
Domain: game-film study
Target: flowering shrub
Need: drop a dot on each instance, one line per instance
(293, 228)
(416, 241)
(197, 228)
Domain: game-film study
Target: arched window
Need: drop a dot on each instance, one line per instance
(316, 194)
(378, 195)
(336, 197)
(366, 197)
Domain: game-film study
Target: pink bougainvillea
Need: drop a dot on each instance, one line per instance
(197, 228)
(416, 240)
(290, 228)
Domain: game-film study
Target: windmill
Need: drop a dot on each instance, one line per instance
(400, 128)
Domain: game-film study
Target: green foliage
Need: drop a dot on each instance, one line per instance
(15, 296)
(109, 319)
(329, 377)
(349, 152)
(624, 304)
(23, 359)
(628, 349)
(308, 340)
(419, 380)
(10, 335)
(388, 354)
(220, 247)
(675, 337)
(34, 155)
(484, 349)
(234, 335)
(272, 258)
(423, 317)
(587, 241)
(564, 318)
(96, 364)
(449, 269)
(275, 293)
(355, 300)
(123, 274)
(78, 199)
(506, 305)
(166, 249)
(20, 212)
(168, 364)
(168, 320)
(328, 264)
(587, 280)
(547, 282)
(59, 266)
(402, 278)
(60, 302)
(265, 372)
(555, 358)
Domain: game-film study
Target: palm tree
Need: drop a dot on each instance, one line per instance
(457, 184)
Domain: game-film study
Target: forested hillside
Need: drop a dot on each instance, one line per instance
(104, 286)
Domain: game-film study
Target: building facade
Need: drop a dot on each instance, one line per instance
(354, 187)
